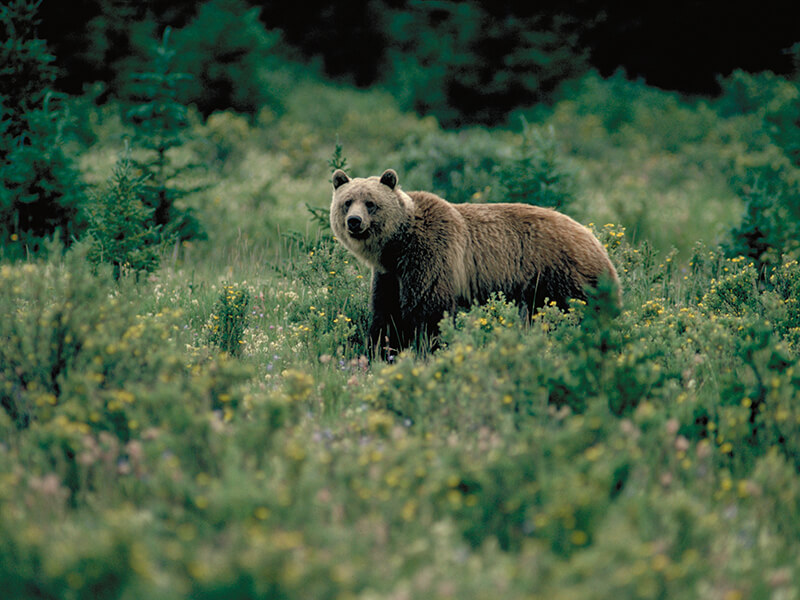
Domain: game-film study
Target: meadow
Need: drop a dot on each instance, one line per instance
(204, 423)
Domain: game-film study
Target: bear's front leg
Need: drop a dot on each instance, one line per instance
(423, 311)
(385, 329)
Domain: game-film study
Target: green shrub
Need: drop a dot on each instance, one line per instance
(782, 302)
(767, 180)
(479, 325)
(770, 226)
(475, 165)
(456, 166)
(224, 138)
(773, 99)
(54, 310)
(594, 356)
(736, 291)
(568, 360)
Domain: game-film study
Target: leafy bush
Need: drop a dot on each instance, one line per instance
(475, 165)
(768, 181)
(782, 302)
(770, 227)
(773, 99)
(225, 137)
(456, 166)
(736, 292)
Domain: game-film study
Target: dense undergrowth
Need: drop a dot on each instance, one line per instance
(211, 428)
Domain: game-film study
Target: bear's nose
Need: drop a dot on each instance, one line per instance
(354, 223)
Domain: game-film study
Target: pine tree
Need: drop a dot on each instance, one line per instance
(26, 67)
(120, 231)
(160, 121)
(40, 190)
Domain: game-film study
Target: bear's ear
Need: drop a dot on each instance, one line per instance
(389, 178)
(339, 178)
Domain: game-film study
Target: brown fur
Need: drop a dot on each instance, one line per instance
(429, 256)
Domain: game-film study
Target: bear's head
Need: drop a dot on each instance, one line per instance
(368, 213)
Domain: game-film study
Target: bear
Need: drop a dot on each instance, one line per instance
(430, 257)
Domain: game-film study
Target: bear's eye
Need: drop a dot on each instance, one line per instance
(370, 206)
(347, 203)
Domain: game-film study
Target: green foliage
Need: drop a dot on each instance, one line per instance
(461, 63)
(332, 317)
(769, 183)
(77, 353)
(225, 137)
(369, 123)
(774, 100)
(41, 191)
(782, 302)
(234, 61)
(770, 226)
(120, 230)
(160, 121)
(600, 356)
(478, 326)
(475, 165)
(27, 72)
(338, 160)
(631, 112)
(535, 173)
(229, 319)
(736, 292)
(456, 166)
(321, 215)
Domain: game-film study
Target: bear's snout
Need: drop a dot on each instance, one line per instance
(354, 223)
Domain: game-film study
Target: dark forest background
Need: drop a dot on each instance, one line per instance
(461, 61)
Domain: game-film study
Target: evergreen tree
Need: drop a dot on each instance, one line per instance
(40, 189)
(535, 173)
(26, 67)
(120, 232)
(160, 121)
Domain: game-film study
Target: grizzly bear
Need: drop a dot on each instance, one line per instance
(429, 256)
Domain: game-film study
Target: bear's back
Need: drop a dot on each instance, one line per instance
(503, 246)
